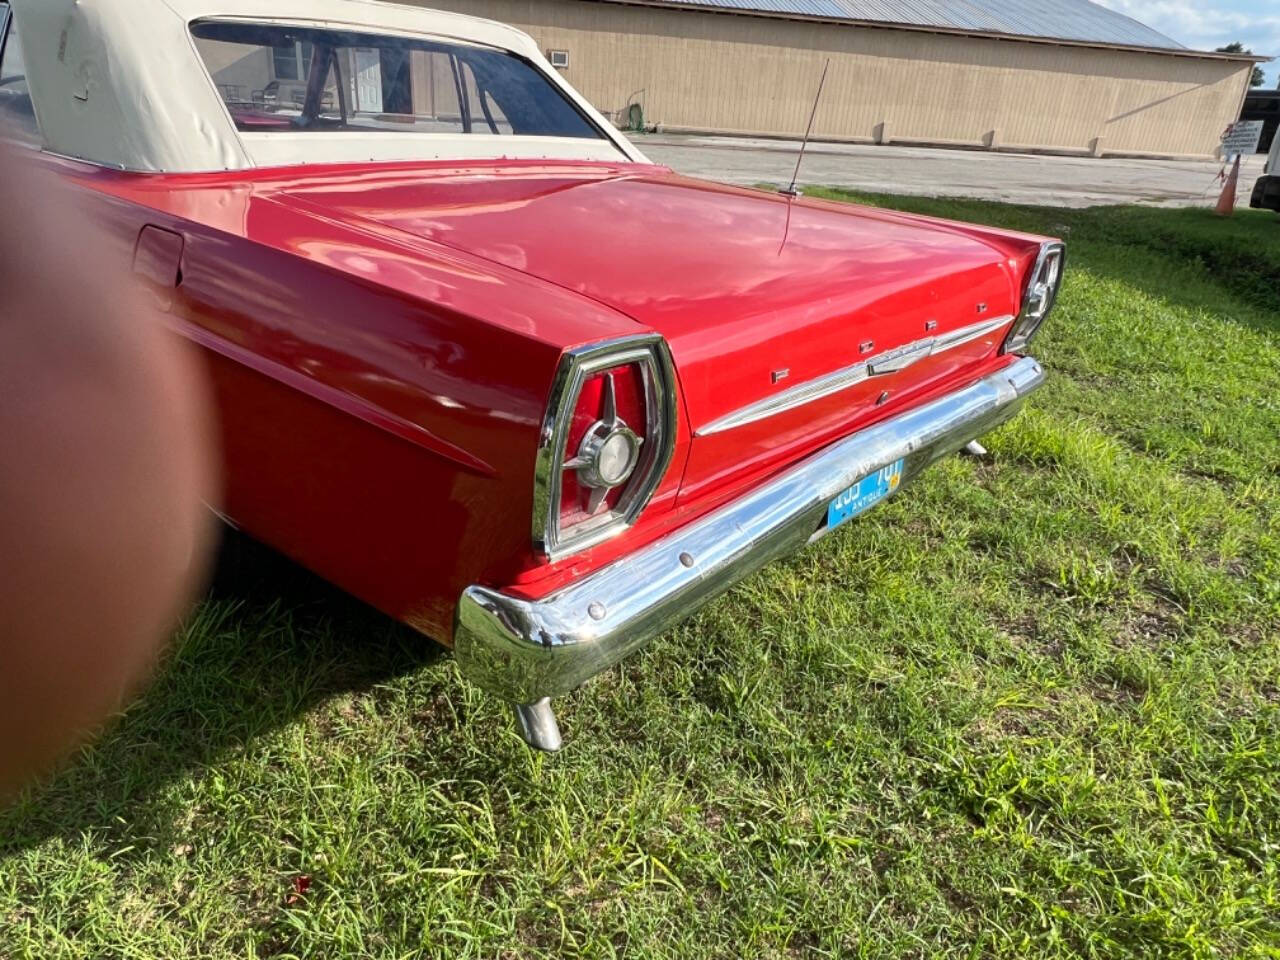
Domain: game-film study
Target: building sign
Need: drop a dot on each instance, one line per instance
(1242, 138)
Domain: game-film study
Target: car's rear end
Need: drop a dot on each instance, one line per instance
(737, 429)
(392, 226)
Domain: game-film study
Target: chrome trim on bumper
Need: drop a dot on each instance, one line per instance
(525, 650)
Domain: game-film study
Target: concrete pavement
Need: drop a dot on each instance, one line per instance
(923, 171)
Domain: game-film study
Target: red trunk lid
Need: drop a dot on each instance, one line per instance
(756, 294)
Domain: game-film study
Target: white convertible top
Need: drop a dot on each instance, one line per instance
(120, 83)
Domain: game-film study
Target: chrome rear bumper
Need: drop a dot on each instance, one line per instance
(526, 650)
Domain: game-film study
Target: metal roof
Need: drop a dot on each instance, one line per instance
(1076, 20)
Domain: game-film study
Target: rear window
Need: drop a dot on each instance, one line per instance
(292, 79)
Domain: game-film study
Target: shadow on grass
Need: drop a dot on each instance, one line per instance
(1186, 257)
(269, 642)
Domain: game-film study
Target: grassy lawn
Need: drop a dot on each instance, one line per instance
(1029, 708)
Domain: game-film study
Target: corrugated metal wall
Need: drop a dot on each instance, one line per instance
(1051, 19)
(758, 75)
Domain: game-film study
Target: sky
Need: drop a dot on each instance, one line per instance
(1205, 24)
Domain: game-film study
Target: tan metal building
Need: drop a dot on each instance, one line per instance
(1002, 80)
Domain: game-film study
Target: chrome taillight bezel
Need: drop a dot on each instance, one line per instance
(1038, 298)
(650, 353)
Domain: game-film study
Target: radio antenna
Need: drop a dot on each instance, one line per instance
(791, 191)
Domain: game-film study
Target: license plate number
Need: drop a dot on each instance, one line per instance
(864, 494)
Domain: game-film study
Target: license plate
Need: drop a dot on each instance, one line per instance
(864, 494)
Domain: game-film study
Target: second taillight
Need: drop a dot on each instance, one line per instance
(1043, 283)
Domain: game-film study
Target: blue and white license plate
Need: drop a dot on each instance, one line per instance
(863, 495)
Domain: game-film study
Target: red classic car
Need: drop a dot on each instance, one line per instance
(476, 360)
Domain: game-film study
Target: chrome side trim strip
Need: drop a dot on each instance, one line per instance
(891, 361)
(524, 650)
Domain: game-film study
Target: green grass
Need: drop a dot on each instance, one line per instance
(1029, 708)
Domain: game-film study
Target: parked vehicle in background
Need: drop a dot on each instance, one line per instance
(1266, 191)
(477, 360)
(1263, 105)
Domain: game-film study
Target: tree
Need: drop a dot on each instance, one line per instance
(1238, 47)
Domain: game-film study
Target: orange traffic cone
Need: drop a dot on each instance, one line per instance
(1227, 202)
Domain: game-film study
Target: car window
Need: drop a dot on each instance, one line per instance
(17, 113)
(290, 79)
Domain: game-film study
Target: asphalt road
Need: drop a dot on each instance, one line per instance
(1014, 178)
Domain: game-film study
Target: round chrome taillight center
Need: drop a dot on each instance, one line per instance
(617, 457)
(608, 455)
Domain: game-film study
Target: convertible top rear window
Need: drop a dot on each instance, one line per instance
(293, 79)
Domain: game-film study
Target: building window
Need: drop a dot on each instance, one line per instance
(292, 61)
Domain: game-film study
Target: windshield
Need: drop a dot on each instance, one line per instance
(292, 79)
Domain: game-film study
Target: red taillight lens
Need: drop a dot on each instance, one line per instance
(606, 443)
(629, 394)
(583, 496)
